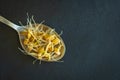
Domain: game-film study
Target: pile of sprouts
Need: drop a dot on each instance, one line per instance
(41, 41)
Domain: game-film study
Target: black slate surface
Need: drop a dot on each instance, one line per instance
(91, 34)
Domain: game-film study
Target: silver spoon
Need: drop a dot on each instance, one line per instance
(21, 28)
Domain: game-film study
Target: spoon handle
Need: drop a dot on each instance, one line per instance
(9, 23)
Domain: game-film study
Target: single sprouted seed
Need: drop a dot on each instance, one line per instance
(40, 62)
(61, 33)
(22, 24)
(35, 61)
(22, 51)
(37, 26)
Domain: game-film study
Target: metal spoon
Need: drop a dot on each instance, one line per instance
(21, 28)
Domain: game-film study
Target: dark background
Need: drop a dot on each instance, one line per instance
(91, 34)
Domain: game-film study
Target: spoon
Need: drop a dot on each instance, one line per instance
(51, 52)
